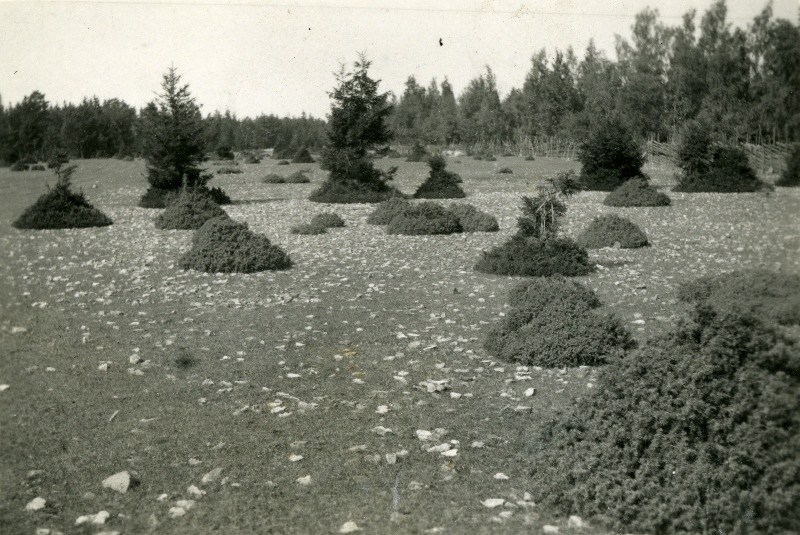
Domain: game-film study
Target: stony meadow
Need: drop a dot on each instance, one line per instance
(349, 392)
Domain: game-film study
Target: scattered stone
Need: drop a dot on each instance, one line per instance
(18, 330)
(305, 480)
(423, 435)
(349, 527)
(500, 476)
(547, 528)
(439, 448)
(185, 504)
(212, 475)
(576, 522)
(35, 504)
(491, 503)
(175, 512)
(3, 388)
(476, 444)
(135, 359)
(120, 482)
(382, 431)
(529, 392)
(295, 458)
(97, 519)
(192, 490)
(414, 485)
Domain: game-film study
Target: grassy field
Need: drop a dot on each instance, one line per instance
(307, 387)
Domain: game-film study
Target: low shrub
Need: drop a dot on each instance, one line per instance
(530, 158)
(298, 177)
(386, 210)
(273, 178)
(224, 152)
(728, 171)
(38, 167)
(308, 229)
(790, 177)
(19, 165)
(473, 220)
(60, 207)
(489, 158)
(302, 156)
(636, 192)
(608, 230)
(774, 297)
(251, 158)
(222, 245)
(353, 191)
(157, 197)
(505, 170)
(328, 220)
(696, 432)
(283, 162)
(535, 257)
(441, 183)
(418, 153)
(392, 153)
(553, 324)
(218, 195)
(189, 211)
(424, 218)
(508, 154)
(229, 170)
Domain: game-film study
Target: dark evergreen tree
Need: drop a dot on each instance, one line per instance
(173, 138)
(357, 126)
(610, 156)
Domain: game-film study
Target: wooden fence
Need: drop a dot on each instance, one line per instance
(765, 159)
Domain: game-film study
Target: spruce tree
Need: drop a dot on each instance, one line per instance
(357, 127)
(173, 139)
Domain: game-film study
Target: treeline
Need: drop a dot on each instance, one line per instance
(33, 130)
(742, 82)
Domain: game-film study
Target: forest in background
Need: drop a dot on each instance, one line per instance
(743, 82)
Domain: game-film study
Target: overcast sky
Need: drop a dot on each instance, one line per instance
(254, 57)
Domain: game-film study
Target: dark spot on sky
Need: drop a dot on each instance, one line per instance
(440, 42)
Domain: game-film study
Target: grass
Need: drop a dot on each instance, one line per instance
(363, 318)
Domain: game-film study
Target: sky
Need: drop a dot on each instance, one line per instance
(279, 57)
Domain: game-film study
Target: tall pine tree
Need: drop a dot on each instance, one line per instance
(172, 137)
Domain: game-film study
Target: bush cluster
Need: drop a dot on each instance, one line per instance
(697, 432)
(309, 229)
(424, 218)
(224, 152)
(441, 183)
(328, 220)
(636, 192)
(610, 156)
(229, 170)
(19, 165)
(222, 245)
(217, 194)
(283, 162)
(61, 207)
(774, 297)
(553, 324)
(252, 157)
(302, 156)
(712, 168)
(386, 210)
(473, 220)
(353, 191)
(791, 175)
(609, 230)
(535, 257)
(274, 178)
(505, 171)
(157, 197)
(728, 171)
(418, 153)
(189, 211)
(298, 177)
(38, 167)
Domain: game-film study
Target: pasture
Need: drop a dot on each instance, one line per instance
(290, 402)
